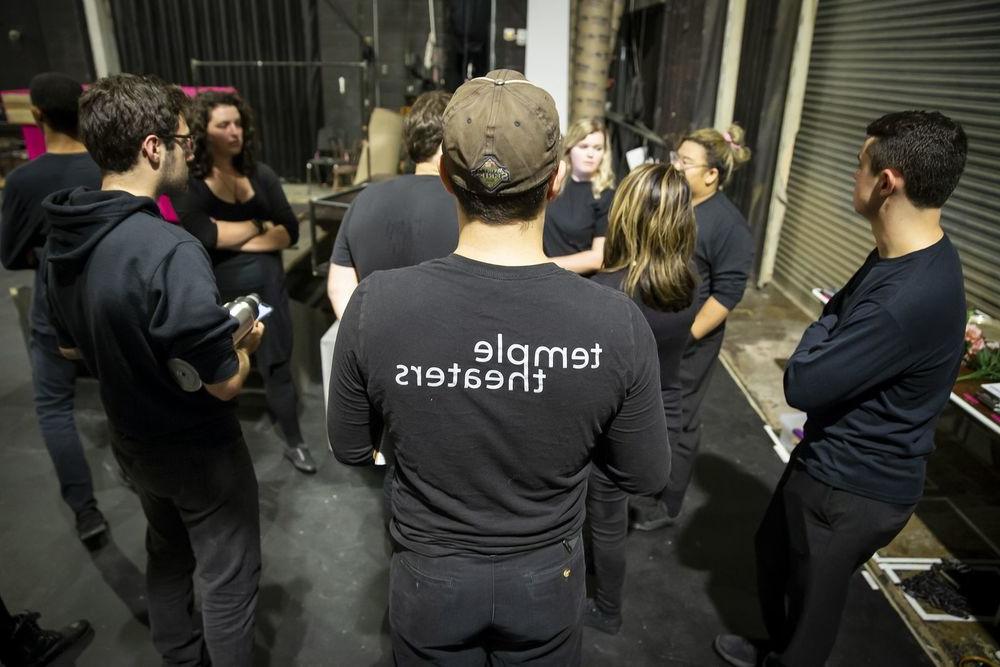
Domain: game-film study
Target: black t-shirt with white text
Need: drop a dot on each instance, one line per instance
(496, 386)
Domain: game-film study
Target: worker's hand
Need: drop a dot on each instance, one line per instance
(251, 341)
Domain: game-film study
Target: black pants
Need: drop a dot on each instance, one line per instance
(697, 365)
(812, 539)
(273, 358)
(200, 499)
(499, 610)
(607, 512)
(6, 624)
(54, 379)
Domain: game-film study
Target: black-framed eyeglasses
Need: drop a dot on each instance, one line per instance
(185, 140)
(678, 162)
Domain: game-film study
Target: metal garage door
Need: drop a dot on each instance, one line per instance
(870, 57)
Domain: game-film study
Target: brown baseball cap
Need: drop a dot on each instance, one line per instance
(501, 134)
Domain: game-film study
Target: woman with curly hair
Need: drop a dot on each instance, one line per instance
(577, 220)
(235, 206)
(648, 255)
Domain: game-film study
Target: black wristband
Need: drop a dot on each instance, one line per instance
(259, 224)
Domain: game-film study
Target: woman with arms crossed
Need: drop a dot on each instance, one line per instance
(235, 206)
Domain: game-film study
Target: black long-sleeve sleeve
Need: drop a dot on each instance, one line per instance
(637, 454)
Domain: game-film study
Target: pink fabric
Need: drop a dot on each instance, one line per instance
(34, 142)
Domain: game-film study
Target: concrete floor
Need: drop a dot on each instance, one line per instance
(323, 589)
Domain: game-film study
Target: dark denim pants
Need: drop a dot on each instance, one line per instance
(811, 541)
(200, 499)
(474, 610)
(54, 379)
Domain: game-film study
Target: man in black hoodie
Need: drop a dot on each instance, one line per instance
(23, 228)
(130, 292)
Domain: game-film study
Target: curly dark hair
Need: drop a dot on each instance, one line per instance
(119, 111)
(200, 112)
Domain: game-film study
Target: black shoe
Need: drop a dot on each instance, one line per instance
(736, 650)
(31, 645)
(597, 619)
(90, 523)
(301, 458)
(654, 518)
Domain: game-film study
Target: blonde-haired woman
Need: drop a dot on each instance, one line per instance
(648, 255)
(577, 220)
(723, 254)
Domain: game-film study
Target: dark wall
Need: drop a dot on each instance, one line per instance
(42, 36)
(162, 37)
(403, 31)
(769, 33)
(666, 66)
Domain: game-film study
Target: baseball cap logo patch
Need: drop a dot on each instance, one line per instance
(491, 173)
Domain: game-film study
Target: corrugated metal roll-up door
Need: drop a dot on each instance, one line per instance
(870, 57)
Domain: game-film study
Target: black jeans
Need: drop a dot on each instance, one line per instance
(500, 610)
(200, 499)
(697, 366)
(54, 379)
(812, 539)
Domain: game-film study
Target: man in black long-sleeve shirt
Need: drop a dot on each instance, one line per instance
(509, 376)
(873, 374)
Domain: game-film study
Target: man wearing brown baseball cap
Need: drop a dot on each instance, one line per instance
(498, 377)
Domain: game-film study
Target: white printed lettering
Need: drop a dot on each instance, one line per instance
(454, 370)
(580, 355)
(470, 375)
(597, 354)
(482, 347)
(552, 353)
(438, 378)
(494, 376)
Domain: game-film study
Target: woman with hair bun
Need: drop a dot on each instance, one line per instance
(723, 255)
(235, 206)
(648, 255)
(577, 220)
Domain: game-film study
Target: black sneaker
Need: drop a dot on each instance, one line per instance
(653, 518)
(31, 645)
(90, 523)
(736, 650)
(597, 619)
(301, 458)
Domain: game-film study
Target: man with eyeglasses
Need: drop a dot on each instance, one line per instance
(132, 294)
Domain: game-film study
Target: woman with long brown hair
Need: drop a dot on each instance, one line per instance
(235, 206)
(648, 255)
